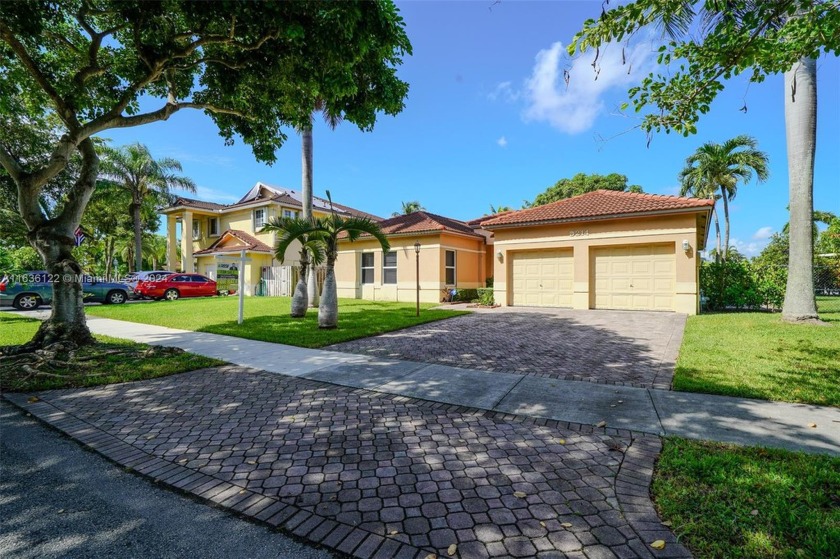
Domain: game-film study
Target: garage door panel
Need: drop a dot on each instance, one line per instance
(542, 278)
(638, 277)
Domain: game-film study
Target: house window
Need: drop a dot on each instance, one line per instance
(290, 213)
(196, 225)
(450, 267)
(259, 219)
(389, 268)
(367, 267)
(213, 226)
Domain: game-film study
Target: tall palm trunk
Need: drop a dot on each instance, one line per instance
(306, 202)
(328, 308)
(717, 233)
(109, 256)
(801, 134)
(725, 222)
(138, 235)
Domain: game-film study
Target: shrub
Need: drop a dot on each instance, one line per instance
(465, 295)
(485, 297)
(737, 283)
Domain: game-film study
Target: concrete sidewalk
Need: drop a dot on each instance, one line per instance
(699, 416)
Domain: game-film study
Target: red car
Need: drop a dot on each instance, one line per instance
(176, 286)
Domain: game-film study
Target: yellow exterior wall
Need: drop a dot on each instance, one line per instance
(253, 269)
(582, 236)
(469, 269)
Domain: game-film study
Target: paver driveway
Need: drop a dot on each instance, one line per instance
(614, 347)
(375, 475)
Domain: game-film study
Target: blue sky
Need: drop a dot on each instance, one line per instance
(487, 121)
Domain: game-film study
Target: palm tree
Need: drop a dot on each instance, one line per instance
(309, 293)
(322, 236)
(410, 208)
(154, 249)
(720, 167)
(702, 190)
(499, 209)
(133, 168)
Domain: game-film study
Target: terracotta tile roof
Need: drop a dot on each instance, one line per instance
(592, 205)
(476, 223)
(424, 222)
(251, 244)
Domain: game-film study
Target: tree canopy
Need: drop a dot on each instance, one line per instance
(713, 41)
(581, 184)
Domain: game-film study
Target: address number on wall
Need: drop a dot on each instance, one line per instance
(579, 233)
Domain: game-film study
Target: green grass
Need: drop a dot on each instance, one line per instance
(756, 355)
(104, 363)
(746, 502)
(267, 318)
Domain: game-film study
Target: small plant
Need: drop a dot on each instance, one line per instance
(465, 295)
(485, 297)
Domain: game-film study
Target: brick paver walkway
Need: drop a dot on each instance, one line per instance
(613, 347)
(376, 475)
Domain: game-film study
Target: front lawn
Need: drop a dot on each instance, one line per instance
(727, 501)
(267, 318)
(109, 361)
(756, 355)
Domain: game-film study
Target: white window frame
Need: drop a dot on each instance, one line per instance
(212, 231)
(196, 229)
(290, 213)
(372, 269)
(453, 267)
(254, 223)
(385, 267)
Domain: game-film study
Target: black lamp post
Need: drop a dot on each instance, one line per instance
(417, 253)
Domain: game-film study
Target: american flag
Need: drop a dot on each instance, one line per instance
(80, 236)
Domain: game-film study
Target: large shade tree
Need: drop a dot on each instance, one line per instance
(712, 41)
(144, 178)
(582, 183)
(71, 70)
(714, 171)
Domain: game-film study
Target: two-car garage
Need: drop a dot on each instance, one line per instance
(602, 250)
(634, 277)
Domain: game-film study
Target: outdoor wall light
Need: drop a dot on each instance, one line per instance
(499, 255)
(686, 246)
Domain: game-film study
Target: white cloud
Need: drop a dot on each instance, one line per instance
(573, 106)
(763, 233)
(505, 92)
(502, 142)
(747, 249)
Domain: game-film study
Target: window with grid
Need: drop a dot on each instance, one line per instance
(367, 267)
(450, 267)
(389, 267)
(259, 219)
(290, 213)
(196, 225)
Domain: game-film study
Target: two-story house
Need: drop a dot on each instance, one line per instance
(213, 234)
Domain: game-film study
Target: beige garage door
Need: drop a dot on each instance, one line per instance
(543, 279)
(638, 277)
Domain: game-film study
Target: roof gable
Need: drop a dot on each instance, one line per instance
(424, 222)
(599, 204)
(234, 240)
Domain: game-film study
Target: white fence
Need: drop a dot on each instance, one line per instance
(279, 281)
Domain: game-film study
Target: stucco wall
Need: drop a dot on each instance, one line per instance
(469, 268)
(583, 236)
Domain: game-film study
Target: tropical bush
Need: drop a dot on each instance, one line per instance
(466, 295)
(485, 297)
(737, 283)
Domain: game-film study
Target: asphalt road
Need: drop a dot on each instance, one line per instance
(59, 500)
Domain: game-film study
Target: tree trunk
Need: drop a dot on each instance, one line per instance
(299, 300)
(801, 132)
(328, 309)
(109, 256)
(725, 223)
(67, 319)
(306, 202)
(138, 236)
(717, 233)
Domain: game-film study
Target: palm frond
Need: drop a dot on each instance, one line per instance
(290, 229)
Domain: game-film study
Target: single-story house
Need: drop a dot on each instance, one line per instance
(450, 255)
(602, 250)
